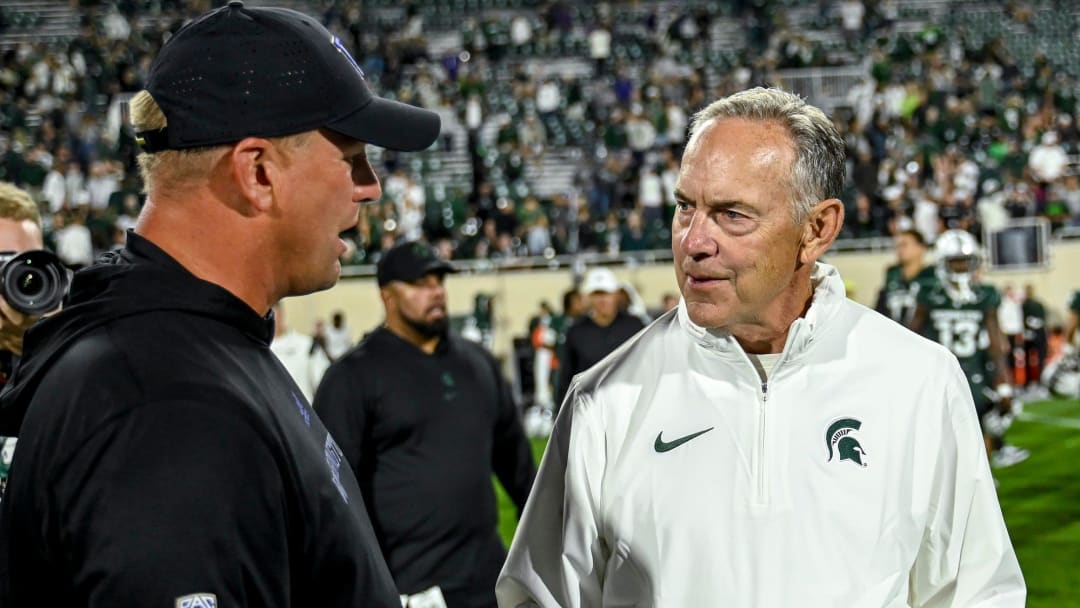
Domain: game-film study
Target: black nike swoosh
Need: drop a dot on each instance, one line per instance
(661, 446)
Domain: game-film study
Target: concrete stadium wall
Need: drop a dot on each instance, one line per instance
(518, 294)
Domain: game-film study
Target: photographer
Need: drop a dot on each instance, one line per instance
(20, 230)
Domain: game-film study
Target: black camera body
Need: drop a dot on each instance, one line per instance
(33, 282)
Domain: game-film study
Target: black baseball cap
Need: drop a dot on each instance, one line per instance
(239, 72)
(408, 262)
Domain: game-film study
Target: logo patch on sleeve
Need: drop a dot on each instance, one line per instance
(302, 409)
(334, 458)
(197, 600)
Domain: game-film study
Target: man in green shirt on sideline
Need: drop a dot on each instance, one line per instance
(1072, 323)
(904, 279)
(1036, 344)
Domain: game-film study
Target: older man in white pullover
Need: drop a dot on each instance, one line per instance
(768, 443)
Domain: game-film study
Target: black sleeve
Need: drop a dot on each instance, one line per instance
(880, 305)
(339, 402)
(176, 499)
(567, 366)
(511, 455)
(11, 414)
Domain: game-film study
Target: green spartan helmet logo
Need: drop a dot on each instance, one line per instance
(840, 441)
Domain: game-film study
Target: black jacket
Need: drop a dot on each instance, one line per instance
(166, 453)
(587, 343)
(424, 433)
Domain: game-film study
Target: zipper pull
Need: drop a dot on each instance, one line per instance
(764, 391)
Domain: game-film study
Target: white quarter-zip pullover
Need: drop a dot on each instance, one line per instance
(854, 476)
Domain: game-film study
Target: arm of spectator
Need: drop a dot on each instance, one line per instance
(880, 305)
(1070, 329)
(919, 318)
(318, 363)
(567, 366)
(999, 353)
(340, 403)
(511, 455)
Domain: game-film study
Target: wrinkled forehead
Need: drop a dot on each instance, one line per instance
(737, 159)
(721, 128)
(762, 144)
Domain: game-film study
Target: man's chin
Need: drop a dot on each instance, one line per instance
(434, 328)
(439, 326)
(315, 285)
(707, 314)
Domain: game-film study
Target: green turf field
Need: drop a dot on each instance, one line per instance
(1041, 501)
(507, 511)
(1040, 498)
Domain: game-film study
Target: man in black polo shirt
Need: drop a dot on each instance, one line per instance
(166, 458)
(594, 335)
(425, 417)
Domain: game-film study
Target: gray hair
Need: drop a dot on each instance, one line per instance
(818, 171)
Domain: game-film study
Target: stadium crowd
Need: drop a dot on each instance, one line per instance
(958, 124)
(955, 126)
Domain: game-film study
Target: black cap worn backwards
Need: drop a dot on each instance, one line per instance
(239, 72)
(409, 262)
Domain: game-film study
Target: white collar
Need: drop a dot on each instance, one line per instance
(828, 292)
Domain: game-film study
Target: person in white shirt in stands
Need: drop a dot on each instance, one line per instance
(54, 190)
(651, 194)
(73, 241)
(338, 336)
(102, 183)
(600, 48)
(768, 443)
(1010, 316)
(1048, 159)
(296, 351)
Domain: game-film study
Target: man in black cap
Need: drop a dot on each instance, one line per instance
(425, 417)
(166, 458)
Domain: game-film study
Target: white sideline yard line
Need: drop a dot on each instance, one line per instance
(1072, 423)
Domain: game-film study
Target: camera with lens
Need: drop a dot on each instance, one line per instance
(33, 282)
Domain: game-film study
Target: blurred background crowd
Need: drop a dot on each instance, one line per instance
(563, 126)
(564, 121)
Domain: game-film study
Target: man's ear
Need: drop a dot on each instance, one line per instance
(821, 229)
(387, 296)
(255, 167)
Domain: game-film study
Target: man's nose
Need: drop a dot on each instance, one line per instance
(366, 187)
(697, 241)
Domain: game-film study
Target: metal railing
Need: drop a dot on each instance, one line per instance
(825, 87)
(577, 262)
(580, 262)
